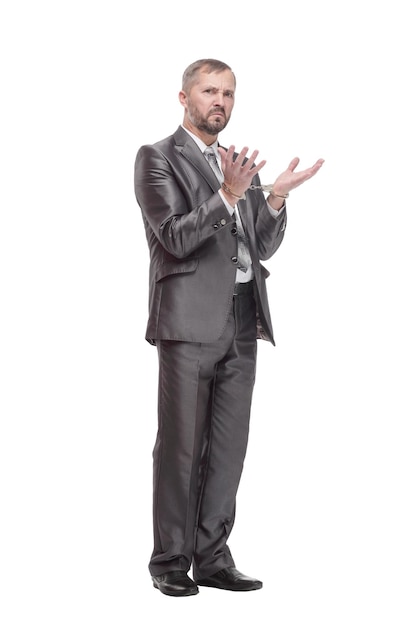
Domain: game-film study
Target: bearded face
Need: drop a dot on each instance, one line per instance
(208, 103)
(211, 123)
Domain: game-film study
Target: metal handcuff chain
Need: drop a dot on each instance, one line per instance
(269, 189)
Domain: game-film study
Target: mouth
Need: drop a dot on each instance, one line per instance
(217, 113)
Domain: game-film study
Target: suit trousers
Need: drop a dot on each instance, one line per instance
(204, 403)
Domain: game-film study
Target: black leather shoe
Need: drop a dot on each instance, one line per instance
(231, 579)
(176, 583)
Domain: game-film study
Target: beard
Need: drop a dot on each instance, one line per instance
(204, 124)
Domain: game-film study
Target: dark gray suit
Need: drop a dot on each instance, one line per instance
(206, 339)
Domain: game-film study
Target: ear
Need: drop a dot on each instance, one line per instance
(182, 97)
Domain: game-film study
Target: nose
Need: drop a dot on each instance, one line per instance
(219, 99)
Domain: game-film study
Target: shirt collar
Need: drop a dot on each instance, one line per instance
(201, 143)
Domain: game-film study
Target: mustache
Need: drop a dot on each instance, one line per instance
(217, 110)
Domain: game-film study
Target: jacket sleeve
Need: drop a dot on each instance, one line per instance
(269, 232)
(174, 210)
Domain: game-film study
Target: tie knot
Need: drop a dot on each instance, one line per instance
(210, 154)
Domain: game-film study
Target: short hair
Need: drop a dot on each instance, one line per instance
(209, 65)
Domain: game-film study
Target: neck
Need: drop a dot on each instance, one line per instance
(206, 137)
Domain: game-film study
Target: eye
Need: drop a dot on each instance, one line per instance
(229, 94)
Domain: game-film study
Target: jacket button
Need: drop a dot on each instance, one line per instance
(234, 231)
(223, 221)
(234, 260)
(215, 225)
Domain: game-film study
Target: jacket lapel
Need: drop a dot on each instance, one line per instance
(192, 153)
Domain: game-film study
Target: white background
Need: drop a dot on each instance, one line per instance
(326, 512)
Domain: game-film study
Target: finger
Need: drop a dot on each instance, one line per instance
(318, 164)
(256, 168)
(241, 156)
(249, 164)
(293, 164)
(226, 155)
(251, 160)
(315, 168)
(223, 156)
(230, 153)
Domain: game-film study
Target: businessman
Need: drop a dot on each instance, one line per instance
(209, 224)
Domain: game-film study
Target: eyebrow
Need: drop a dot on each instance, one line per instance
(210, 86)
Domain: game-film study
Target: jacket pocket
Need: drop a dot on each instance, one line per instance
(178, 267)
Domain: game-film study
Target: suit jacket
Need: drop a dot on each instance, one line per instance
(193, 244)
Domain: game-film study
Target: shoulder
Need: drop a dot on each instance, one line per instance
(178, 138)
(169, 150)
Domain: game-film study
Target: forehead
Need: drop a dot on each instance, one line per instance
(223, 80)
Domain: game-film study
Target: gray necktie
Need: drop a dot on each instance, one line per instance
(242, 242)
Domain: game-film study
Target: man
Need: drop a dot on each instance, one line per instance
(208, 225)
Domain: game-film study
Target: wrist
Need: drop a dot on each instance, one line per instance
(230, 192)
(279, 195)
(228, 198)
(275, 202)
